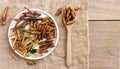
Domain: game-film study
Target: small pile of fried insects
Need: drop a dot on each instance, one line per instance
(33, 34)
(69, 14)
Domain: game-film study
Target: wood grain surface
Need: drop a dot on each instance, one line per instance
(104, 9)
(56, 60)
(104, 44)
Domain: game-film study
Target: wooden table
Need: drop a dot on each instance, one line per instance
(56, 60)
(104, 32)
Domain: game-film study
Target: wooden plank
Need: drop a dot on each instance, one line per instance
(104, 9)
(104, 44)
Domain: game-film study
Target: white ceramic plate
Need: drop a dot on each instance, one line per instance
(43, 14)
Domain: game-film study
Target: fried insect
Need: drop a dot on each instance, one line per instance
(13, 55)
(29, 11)
(70, 22)
(58, 12)
(4, 14)
(69, 14)
(31, 62)
(76, 8)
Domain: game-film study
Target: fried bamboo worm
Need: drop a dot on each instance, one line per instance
(43, 50)
(31, 62)
(35, 13)
(25, 53)
(13, 55)
(44, 22)
(34, 25)
(65, 11)
(73, 15)
(68, 19)
(17, 20)
(31, 24)
(55, 34)
(46, 18)
(37, 27)
(18, 34)
(35, 32)
(73, 10)
(58, 12)
(14, 42)
(68, 13)
(4, 14)
(35, 37)
(76, 8)
(33, 29)
(70, 22)
(23, 37)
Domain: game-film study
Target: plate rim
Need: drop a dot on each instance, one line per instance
(57, 38)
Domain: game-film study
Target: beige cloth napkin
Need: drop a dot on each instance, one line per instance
(56, 60)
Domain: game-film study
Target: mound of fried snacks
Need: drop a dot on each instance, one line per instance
(69, 14)
(33, 35)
